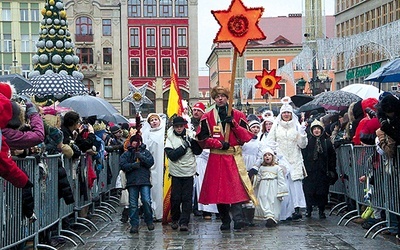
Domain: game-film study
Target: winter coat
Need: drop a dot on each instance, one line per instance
(317, 181)
(290, 142)
(17, 139)
(137, 168)
(182, 160)
(64, 187)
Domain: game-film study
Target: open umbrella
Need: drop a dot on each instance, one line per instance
(363, 90)
(390, 72)
(334, 100)
(19, 82)
(114, 118)
(55, 86)
(310, 107)
(300, 100)
(87, 105)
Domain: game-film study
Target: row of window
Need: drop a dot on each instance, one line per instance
(148, 8)
(25, 15)
(151, 69)
(28, 43)
(134, 35)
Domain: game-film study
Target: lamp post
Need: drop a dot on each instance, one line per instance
(301, 84)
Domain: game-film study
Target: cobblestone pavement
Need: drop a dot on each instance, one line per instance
(310, 233)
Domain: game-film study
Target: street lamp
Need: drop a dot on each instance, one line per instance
(327, 83)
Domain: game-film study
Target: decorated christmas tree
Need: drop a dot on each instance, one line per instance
(55, 52)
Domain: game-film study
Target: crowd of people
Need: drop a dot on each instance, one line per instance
(279, 165)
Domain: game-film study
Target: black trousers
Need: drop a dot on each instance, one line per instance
(181, 197)
(234, 209)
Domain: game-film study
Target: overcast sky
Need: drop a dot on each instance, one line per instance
(208, 26)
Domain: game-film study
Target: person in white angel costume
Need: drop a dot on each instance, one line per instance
(153, 132)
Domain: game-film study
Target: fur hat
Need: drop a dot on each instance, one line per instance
(254, 123)
(199, 106)
(7, 89)
(5, 111)
(151, 115)
(219, 90)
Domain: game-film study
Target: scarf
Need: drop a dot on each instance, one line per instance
(318, 148)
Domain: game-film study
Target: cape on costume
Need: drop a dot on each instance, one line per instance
(154, 140)
(226, 176)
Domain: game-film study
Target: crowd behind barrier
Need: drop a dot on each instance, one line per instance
(352, 163)
(51, 211)
(382, 193)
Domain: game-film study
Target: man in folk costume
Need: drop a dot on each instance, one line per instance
(225, 168)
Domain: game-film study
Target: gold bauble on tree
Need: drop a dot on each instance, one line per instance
(49, 13)
(51, 2)
(63, 14)
(43, 11)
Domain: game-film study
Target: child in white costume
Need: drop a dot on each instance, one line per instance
(270, 188)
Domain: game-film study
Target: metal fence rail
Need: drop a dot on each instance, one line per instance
(352, 162)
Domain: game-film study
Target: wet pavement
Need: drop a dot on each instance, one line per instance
(310, 233)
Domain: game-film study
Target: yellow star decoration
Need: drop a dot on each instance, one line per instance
(239, 24)
(268, 82)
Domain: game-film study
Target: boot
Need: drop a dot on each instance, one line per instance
(125, 215)
(250, 216)
(309, 211)
(296, 216)
(321, 212)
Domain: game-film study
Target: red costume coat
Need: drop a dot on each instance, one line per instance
(222, 183)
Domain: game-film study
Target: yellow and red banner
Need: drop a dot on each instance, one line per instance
(174, 108)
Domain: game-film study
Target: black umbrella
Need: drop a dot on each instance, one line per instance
(55, 86)
(310, 107)
(19, 82)
(300, 100)
(335, 100)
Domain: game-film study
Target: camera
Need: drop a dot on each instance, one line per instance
(370, 112)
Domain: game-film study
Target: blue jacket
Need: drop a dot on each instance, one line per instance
(136, 165)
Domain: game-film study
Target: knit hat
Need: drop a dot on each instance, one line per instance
(56, 135)
(115, 129)
(5, 111)
(136, 138)
(98, 126)
(369, 103)
(199, 106)
(254, 123)
(179, 121)
(267, 113)
(7, 89)
(286, 108)
(219, 90)
(317, 123)
(390, 104)
(268, 150)
(152, 115)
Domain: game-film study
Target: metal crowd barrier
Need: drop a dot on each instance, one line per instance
(15, 228)
(384, 194)
(51, 211)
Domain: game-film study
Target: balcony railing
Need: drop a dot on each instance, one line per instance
(84, 38)
(88, 70)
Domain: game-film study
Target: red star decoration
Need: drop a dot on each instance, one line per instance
(268, 82)
(239, 25)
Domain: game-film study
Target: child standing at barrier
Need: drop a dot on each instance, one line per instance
(136, 163)
(270, 188)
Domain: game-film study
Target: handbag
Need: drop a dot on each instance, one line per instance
(332, 177)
